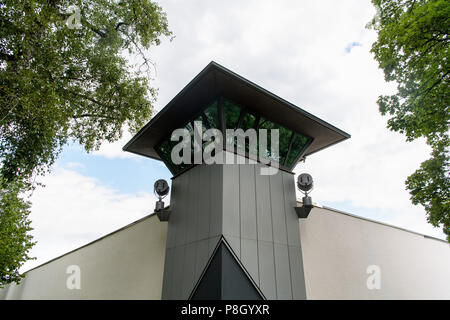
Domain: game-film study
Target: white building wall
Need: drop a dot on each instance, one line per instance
(127, 264)
(338, 248)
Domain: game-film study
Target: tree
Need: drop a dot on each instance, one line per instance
(413, 50)
(15, 242)
(66, 75)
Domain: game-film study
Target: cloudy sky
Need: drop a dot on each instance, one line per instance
(315, 54)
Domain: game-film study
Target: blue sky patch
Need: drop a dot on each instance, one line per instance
(350, 46)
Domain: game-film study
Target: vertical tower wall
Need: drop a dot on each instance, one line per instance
(254, 213)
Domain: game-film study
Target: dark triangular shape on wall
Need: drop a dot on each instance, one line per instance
(224, 279)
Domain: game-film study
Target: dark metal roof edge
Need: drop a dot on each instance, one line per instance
(249, 83)
(171, 102)
(325, 147)
(281, 100)
(144, 155)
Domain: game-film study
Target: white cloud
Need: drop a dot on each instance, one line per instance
(74, 165)
(72, 210)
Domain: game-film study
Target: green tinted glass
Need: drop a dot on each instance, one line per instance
(290, 143)
(232, 113)
(189, 128)
(164, 149)
(204, 128)
(284, 139)
(248, 121)
(298, 143)
(200, 119)
(212, 115)
(265, 124)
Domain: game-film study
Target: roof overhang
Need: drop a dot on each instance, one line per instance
(216, 81)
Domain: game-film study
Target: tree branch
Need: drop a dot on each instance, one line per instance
(120, 24)
(93, 115)
(93, 28)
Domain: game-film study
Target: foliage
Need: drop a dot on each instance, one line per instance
(413, 50)
(430, 186)
(65, 75)
(15, 241)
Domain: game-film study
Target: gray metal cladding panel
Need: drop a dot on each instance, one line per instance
(210, 285)
(263, 206)
(277, 208)
(231, 215)
(178, 273)
(188, 280)
(204, 202)
(283, 272)
(249, 258)
(235, 244)
(180, 216)
(297, 274)
(216, 200)
(168, 274)
(212, 244)
(256, 216)
(266, 261)
(247, 201)
(175, 206)
(202, 257)
(292, 224)
(184, 266)
(192, 205)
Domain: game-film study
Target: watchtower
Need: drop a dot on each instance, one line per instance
(233, 232)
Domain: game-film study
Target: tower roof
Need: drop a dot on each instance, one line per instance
(216, 81)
